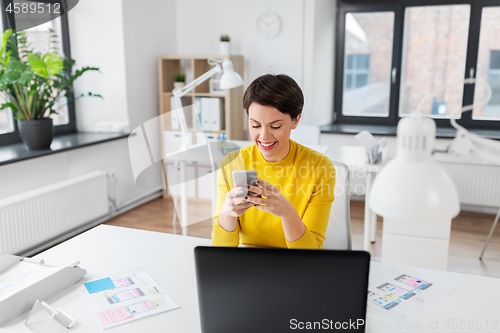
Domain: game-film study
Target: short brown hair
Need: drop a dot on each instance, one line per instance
(278, 91)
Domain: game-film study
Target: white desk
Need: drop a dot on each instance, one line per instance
(170, 260)
(352, 156)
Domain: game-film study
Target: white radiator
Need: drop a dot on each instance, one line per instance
(32, 218)
(477, 185)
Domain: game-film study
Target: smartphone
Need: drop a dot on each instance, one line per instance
(243, 177)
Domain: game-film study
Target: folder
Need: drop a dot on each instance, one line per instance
(206, 123)
(215, 114)
(197, 104)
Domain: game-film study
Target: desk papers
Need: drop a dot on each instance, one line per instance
(398, 293)
(120, 298)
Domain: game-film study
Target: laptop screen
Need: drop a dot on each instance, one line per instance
(280, 290)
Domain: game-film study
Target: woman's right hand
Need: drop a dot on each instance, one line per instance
(232, 208)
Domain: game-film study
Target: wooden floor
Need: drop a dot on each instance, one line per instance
(468, 233)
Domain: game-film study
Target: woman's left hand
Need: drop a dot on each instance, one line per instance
(274, 202)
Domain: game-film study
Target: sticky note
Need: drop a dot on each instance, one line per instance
(154, 291)
(104, 294)
(113, 315)
(390, 297)
(154, 303)
(99, 285)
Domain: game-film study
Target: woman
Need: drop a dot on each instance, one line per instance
(294, 192)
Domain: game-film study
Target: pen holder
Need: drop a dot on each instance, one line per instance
(44, 319)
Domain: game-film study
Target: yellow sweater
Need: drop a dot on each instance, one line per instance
(305, 177)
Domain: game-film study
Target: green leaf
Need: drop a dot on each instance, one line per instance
(8, 105)
(19, 115)
(14, 70)
(54, 62)
(6, 36)
(26, 77)
(16, 65)
(38, 66)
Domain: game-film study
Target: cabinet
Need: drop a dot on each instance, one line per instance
(231, 102)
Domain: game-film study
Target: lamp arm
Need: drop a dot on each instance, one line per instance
(199, 80)
(467, 143)
(179, 92)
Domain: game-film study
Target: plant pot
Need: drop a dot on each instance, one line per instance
(36, 134)
(179, 84)
(225, 48)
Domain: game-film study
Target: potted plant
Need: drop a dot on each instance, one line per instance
(225, 45)
(179, 80)
(33, 84)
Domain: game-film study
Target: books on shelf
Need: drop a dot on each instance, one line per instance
(209, 115)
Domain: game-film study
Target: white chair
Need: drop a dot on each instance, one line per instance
(306, 134)
(338, 232)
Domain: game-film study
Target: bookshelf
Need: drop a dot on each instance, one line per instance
(231, 100)
(194, 66)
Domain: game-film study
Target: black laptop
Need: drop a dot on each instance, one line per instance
(249, 290)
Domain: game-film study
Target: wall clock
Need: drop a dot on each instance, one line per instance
(268, 25)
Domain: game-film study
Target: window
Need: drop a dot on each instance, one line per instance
(488, 64)
(38, 36)
(367, 64)
(393, 53)
(493, 107)
(434, 54)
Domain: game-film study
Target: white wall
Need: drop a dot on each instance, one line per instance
(324, 60)
(97, 40)
(319, 56)
(303, 49)
(200, 24)
(149, 31)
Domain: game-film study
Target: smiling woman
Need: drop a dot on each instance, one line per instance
(294, 192)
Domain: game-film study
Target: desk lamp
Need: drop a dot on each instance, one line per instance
(415, 195)
(230, 79)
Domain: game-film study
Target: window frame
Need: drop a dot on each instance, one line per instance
(399, 8)
(8, 21)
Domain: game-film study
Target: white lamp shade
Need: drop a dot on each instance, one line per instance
(413, 186)
(418, 191)
(230, 79)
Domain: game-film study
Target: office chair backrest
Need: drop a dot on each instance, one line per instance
(306, 134)
(338, 232)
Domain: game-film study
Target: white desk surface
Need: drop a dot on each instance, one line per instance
(170, 260)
